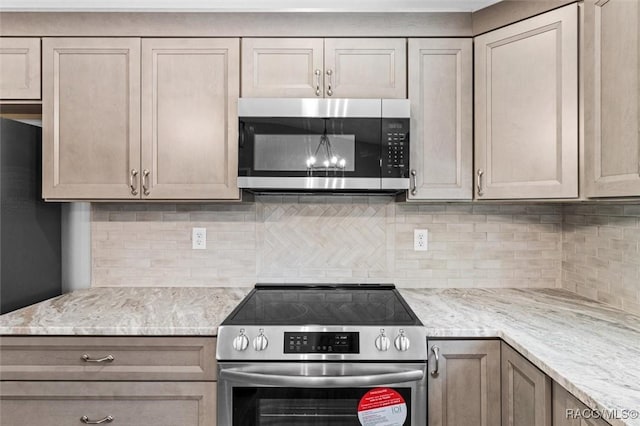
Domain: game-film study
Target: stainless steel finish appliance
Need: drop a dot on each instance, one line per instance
(310, 354)
(334, 145)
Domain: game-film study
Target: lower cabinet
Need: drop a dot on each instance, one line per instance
(526, 391)
(488, 383)
(464, 382)
(123, 403)
(130, 381)
(568, 411)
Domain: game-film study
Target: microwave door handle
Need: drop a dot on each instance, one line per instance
(283, 380)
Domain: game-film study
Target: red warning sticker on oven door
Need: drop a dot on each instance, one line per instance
(382, 407)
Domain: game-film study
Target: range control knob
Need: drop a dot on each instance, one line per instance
(241, 342)
(402, 342)
(261, 342)
(382, 341)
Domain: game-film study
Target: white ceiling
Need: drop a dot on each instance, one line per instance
(245, 5)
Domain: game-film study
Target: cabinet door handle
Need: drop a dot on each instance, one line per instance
(133, 182)
(85, 420)
(318, 73)
(108, 358)
(145, 182)
(479, 182)
(436, 354)
(414, 182)
(329, 90)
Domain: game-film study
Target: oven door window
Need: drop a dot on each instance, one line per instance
(265, 406)
(301, 147)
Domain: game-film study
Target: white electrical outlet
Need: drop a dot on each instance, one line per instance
(199, 238)
(420, 239)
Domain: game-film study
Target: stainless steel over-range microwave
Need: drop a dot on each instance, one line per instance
(334, 145)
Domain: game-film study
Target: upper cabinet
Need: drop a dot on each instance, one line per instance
(315, 67)
(19, 68)
(91, 118)
(97, 146)
(189, 118)
(282, 67)
(526, 108)
(612, 97)
(441, 92)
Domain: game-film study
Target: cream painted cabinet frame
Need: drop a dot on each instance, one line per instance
(526, 108)
(19, 68)
(316, 67)
(441, 95)
(91, 118)
(612, 97)
(96, 145)
(189, 118)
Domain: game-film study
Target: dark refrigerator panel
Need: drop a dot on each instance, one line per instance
(30, 241)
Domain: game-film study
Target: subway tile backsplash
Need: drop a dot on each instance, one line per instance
(327, 239)
(601, 259)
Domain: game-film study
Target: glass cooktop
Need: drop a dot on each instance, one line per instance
(323, 304)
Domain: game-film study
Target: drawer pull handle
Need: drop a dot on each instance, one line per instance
(85, 420)
(108, 358)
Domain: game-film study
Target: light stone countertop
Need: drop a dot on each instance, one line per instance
(137, 311)
(589, 348)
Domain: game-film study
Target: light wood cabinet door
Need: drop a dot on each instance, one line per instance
(365, 68)
(526, 108)
(190, 91)
(464, 387)
(19, 68)
(91, 118)
(441, 93)
(612, 98)
(128, 403)
(282, 67)
(132, 358)
(568, 411)
(526, 391)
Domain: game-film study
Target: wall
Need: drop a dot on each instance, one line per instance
(325, 239)
(600, 253)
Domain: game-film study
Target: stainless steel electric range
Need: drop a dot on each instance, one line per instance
(351, 354)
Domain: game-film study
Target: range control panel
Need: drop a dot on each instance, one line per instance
(321, 342)
(395, 147)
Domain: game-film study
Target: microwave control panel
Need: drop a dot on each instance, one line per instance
(321, 342)
(395, 147)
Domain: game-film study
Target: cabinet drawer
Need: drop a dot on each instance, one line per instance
(129, 403)
(134, 358)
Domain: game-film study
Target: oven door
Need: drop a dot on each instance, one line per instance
(300, 153)
(305, 394)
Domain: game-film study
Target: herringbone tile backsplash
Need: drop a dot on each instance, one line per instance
(327, 239)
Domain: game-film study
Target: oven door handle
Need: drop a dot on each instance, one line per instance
(283, 380)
